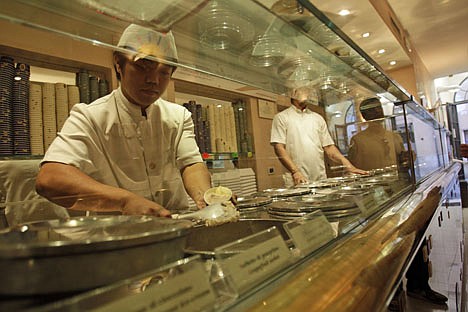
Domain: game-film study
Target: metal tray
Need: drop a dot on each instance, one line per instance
(77, 254)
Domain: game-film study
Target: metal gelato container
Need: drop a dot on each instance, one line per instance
(203, 240)
(76, 254)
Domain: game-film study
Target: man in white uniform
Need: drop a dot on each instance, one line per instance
(129, 151)
(300, 138)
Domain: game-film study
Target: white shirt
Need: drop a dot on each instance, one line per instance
(113, 143)
(304, 133)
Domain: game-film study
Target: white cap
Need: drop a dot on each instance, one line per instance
(148, 42)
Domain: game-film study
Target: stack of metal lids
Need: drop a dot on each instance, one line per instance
(253, 206)
(82, 81)
(48, 113)
(252, 203)
(35, 119)
(283, 192)
(7, 74)
(20, 110)
(297, 207)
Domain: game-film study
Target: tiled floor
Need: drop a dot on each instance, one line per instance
(417, 305)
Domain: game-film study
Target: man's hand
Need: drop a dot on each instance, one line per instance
(137, 205)
(354, 170)
(299, 178)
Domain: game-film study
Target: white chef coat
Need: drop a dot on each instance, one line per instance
(113, 143)
(304, 133)
(18, 193)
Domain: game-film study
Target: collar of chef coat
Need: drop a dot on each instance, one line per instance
(300, 111)
(133, 110)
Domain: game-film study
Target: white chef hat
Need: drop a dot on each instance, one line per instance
(148, 42)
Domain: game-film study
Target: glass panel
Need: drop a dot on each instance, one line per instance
(248, 38)
(425, 137)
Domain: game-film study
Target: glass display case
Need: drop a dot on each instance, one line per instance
(257, 51)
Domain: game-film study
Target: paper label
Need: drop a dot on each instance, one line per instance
(310, 234)
(188, 291)
(380, 194)
(366, 204)
(257, 263)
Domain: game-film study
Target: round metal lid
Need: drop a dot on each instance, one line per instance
(352, 190)
(324, 184)
(287, 214)
(87, 235)
(284, 192)
(296, 206)
(316, 198)
(342, 212)
(249, 202)
(292, 206)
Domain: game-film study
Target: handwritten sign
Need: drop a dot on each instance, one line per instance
(310, 233)
(366, 204)
(187, 291)
(255, 264)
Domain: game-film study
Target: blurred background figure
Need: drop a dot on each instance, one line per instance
(464, 150)
(376, 147)
(300, 138)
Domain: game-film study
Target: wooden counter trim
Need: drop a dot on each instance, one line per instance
(360, 273)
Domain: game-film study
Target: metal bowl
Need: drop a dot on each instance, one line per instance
(77, 254)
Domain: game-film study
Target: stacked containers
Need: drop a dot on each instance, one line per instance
(49, 113)
(7, 74)
(61, 104)
(82, 80)
(73, 96)
(36, 124)
(93, 89)
(103, 87)
(20, 110)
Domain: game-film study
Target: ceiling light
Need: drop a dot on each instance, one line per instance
(381, 51)
(392, 63)
(344, 12)
(365, 35)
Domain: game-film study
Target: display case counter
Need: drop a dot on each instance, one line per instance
(345, 242)
(359, 271)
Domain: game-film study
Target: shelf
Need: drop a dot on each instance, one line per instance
(226, 156)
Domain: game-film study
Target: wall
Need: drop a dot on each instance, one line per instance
(405, 77)
(264, 152)
(425, 90)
